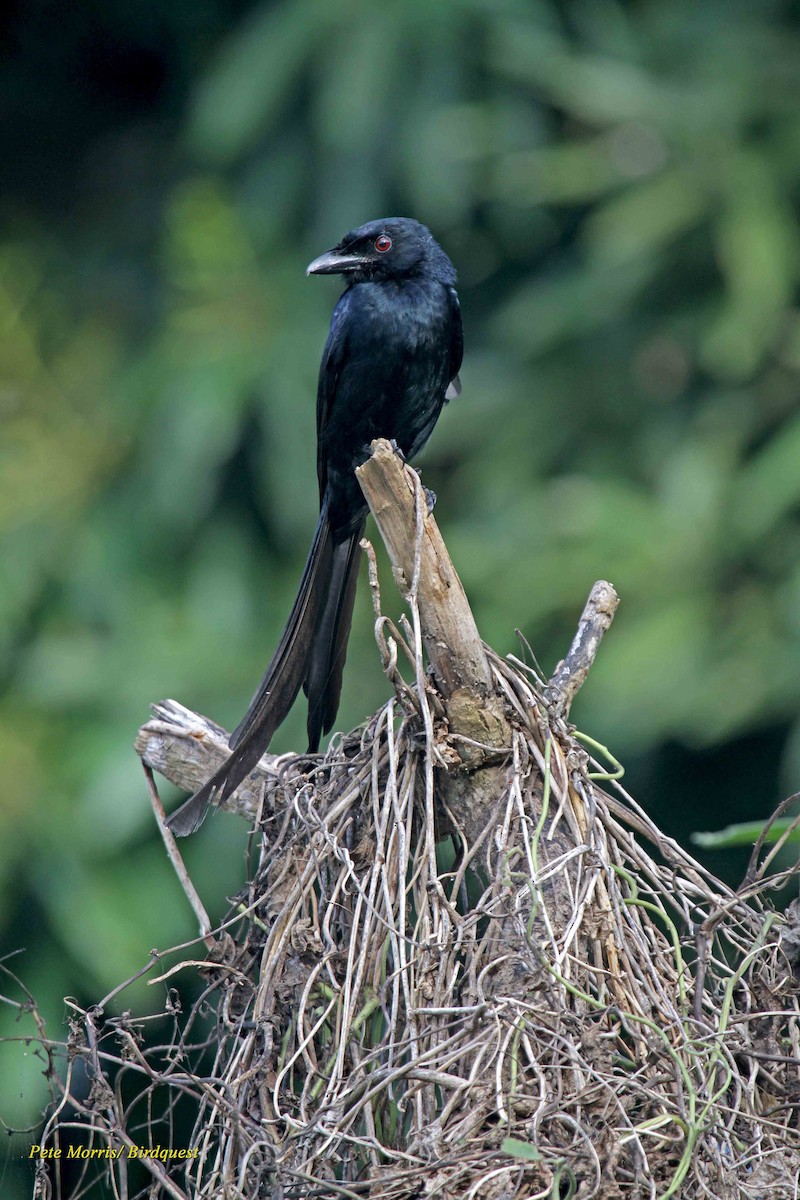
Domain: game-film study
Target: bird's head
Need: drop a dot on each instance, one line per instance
(387, 249)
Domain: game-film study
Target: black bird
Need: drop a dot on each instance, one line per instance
(390, 362)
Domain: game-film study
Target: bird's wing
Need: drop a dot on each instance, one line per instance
(333, 358)
(456, 345)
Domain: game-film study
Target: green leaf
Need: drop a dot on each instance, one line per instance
(520, 1149)
(744, 834)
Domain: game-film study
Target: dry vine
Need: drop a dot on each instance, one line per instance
(568, 1006)
(363, 1047)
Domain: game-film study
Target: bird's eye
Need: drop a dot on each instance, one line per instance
(383, 243)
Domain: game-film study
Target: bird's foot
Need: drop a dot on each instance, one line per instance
(430, 494)
(366, 452)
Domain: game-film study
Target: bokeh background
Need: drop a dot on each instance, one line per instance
(617, 184)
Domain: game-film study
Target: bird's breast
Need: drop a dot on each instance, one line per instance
(398, 321)
(396, 369)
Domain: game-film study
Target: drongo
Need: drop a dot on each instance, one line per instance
(390, 362)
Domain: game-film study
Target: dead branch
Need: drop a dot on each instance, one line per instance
(571, 672)
(395, 495)
(186, 748)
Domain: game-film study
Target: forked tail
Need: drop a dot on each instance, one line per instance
(310, 654)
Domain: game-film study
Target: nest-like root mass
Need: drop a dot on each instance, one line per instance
(390, 1011)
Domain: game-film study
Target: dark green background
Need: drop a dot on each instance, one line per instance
(617, 185)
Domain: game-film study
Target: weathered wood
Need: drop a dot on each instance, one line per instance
(451, 637)
(186, 748)
(569, 675)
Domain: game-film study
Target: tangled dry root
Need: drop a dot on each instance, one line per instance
(571, 1006)
(461, 969)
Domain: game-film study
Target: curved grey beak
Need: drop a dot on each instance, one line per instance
(335, 263)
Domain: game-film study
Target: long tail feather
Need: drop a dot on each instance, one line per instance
(278, 689)
(323, 682)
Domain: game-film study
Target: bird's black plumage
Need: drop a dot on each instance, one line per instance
(390, 361)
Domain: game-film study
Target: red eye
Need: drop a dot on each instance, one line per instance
(383, 243)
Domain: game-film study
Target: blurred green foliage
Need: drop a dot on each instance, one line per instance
(617, 184)
(746, 834)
